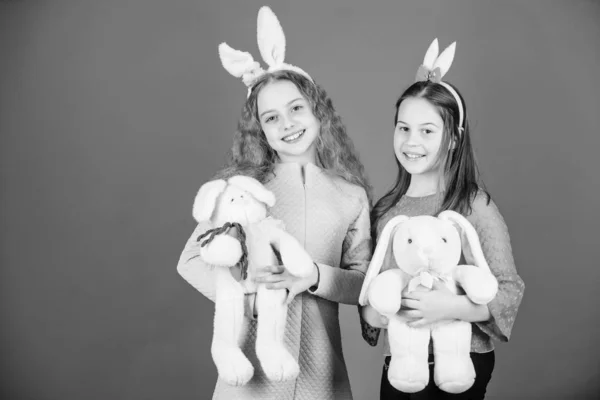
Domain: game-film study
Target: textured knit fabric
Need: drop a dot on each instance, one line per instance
(495, 243)
(330, 217)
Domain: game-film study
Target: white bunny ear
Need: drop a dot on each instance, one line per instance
(255, 188)
(444, 61)
(474, 246)
(206, 199)
(236, 62)
(431, 55)
(270, 37)
(379, 255)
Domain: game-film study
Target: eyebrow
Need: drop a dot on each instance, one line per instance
(289, 102)
(426, 123)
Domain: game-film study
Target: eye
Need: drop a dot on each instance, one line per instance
(409, 241)
(297, 107)
(427, 131)
(272, 118)
(403, 129)
(444, 239)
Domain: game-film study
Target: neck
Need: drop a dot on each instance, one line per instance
(423, 185)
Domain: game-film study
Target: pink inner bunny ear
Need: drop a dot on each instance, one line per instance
(206, 199)
(444, 61)
(431, 54)
(234, 61)
(270, 37)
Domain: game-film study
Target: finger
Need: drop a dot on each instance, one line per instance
(412, 314)
(268, 279)
(410, 303)
(438, 285)
(276, 285)
(420, 323)
(272, 269)
(414, 295)
(290, 297)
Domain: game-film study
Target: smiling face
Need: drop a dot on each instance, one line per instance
(288, 122)
(418, 136)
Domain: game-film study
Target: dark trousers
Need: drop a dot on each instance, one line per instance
(483, 363)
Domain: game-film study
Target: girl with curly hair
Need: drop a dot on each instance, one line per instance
(291, 139)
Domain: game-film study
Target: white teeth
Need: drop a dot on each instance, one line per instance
(293, 137)
(413, 156)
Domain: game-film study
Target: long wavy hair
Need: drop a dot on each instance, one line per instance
(251, 154)
(458, 168)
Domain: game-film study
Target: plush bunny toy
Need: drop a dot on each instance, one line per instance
(424, 249)
(238, 207)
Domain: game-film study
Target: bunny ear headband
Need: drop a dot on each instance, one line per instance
(435, 67)
(271, 43)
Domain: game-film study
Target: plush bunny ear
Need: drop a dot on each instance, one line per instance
(431, 55)
(379, 255)
(236, 62)
(444, 61)
(206, 199)
(270, 37)
(255, 188)
(474, 246)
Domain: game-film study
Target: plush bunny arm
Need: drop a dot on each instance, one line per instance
(495, 244)
(479, 285)
(385, 291)
(343, 284)
(293, 256)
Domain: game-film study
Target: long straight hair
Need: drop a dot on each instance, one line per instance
(457, 166)
(252, 155)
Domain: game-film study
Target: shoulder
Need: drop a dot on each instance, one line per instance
(351, 190)
(485, 213)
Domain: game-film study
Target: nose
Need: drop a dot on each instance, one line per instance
(288, 122)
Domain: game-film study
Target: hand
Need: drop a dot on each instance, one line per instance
(277, 277)
(428, 307)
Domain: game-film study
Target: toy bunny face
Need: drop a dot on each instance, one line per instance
(240, 199)
(426, 242)
(237, 205)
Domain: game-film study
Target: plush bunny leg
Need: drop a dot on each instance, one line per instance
(409, 367)
(293, 256)
(277, 363)
(453, 370)
(232, 365)
(479, 285)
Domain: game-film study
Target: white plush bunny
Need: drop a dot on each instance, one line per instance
(427, 248)
(238, 207)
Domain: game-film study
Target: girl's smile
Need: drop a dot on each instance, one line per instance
(287, 120)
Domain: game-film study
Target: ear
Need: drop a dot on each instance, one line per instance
(471, 245)
(255, 188)
(206, 199)
(270, 37)
(379, 255)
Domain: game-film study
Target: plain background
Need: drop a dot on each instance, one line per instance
(114, 112)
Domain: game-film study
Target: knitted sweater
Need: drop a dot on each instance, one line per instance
(495, 243)
(330, 217)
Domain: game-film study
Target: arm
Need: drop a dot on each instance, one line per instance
(495, 243)
(200, 275)
(343, 284)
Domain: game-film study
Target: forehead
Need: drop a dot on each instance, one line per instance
(276, 95)
(418, 111)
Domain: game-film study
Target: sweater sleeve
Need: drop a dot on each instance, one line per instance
(495, 243)
(343, 284)
(201, 275)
